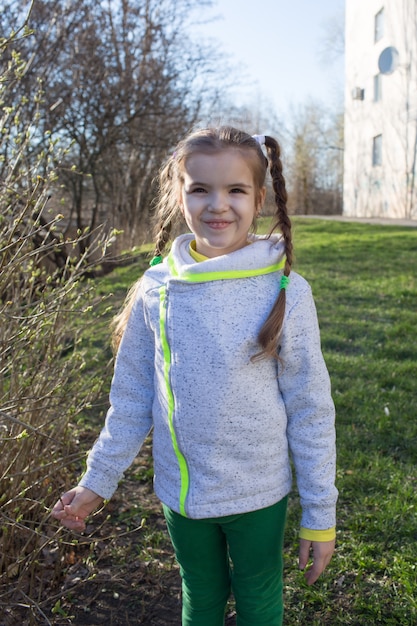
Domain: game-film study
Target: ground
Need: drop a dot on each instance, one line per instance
(120, 572)
(136, 579)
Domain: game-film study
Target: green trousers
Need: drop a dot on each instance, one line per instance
(238, 553)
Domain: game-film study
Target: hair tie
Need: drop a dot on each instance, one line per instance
(285, 281)
(156, 260)
(260, 139)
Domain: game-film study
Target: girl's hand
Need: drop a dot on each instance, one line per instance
(74, 506)
(322, 554)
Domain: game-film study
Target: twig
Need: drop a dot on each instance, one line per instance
(26, 426)
(34, 604)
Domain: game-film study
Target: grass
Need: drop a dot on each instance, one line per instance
(364, 279)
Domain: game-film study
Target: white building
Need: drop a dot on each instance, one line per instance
(381, 109)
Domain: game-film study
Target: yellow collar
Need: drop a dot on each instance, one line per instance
(196, 255)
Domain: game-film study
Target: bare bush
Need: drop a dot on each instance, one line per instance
(46, 300)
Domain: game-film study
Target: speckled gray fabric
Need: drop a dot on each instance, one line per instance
(236, 421)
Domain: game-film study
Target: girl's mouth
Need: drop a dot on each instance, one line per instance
(218, 225)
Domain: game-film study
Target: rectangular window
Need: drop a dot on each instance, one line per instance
(377, 87)
(379, 25)
(377, 150)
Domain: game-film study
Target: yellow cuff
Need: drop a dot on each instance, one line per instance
(318, 535)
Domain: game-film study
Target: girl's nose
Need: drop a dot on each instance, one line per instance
(217, 202)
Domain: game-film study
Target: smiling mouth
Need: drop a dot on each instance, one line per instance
(217, 224)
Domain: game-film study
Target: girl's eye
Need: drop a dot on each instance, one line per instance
(237, 190)
(198, 190)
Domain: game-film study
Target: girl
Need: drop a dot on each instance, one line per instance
(220, 354)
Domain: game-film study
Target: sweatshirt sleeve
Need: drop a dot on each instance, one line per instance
(305, 386)
(129, 418)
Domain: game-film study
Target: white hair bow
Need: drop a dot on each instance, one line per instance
(260, 139)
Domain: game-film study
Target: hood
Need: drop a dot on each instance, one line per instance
(264, 255)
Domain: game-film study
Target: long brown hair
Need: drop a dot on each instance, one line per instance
(168, 214)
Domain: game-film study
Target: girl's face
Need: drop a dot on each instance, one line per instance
(219, 201)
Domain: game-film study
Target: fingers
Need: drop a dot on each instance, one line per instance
(61, 508)
(74, 506)
(72, 522)
(58, 509)
(322, 554)
(68, 516)
(315, 571)
(304, 553)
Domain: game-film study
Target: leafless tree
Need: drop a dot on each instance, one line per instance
(316, 161)
(122, 81)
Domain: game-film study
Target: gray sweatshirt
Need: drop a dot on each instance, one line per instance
(224, 425)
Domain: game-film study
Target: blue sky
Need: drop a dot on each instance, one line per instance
(280, 42)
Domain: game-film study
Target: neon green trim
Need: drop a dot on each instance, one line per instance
(184, 476)
(208, 276)
(171, 265)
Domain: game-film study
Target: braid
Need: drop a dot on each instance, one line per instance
(119, 322)
(167, 212)
(167, 209)
(162, 236)
(271, 330)
(282, 220)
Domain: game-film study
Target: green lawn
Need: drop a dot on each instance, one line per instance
(364, 279)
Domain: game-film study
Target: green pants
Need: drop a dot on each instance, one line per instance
(238, 553)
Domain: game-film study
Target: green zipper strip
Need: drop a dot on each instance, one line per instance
(184, 476)
(208, 276)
